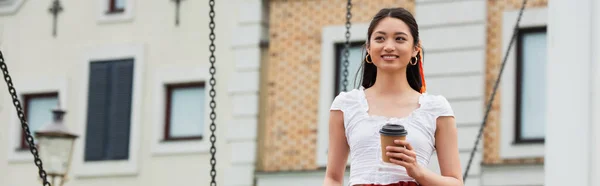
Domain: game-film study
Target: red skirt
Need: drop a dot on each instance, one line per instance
(402, 183)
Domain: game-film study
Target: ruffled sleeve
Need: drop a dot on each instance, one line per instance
(444, 107)
(339, 102)
(437, 105)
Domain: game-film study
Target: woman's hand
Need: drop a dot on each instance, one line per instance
(405, 157)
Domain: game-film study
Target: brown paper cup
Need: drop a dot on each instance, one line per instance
(388, 141)
(388, 134)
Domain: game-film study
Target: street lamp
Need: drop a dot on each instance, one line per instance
(55, 144)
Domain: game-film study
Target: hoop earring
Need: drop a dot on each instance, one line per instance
(367, 59)
(415, 61)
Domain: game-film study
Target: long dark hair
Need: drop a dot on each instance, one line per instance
(369, 70)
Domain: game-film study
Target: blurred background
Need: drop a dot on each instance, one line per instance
(132, 78)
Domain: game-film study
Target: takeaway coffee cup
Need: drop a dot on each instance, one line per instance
(389, 133)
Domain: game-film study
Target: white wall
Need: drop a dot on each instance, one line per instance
(455, 68)
(294, 178)
(595, 172)
(514, 175)
(250, 30)
(32, 53)
(568, 131)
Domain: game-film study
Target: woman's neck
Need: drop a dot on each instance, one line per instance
(392, 83)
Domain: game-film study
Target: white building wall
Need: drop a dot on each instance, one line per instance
(595, 144)
(250, 31)
(293, 178)
(167, 51)
(514, 175)
(573, 113)
(455, 68)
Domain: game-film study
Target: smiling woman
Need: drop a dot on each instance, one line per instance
(393, 92)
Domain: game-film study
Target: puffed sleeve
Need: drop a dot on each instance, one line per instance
(339, 102)
(443, 107)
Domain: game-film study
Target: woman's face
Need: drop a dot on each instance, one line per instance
(391, 45)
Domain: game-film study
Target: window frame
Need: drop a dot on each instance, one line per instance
(32, 85)
(508, 149)
(26, 98)
(129, 166)
(177, 75)
(169, 90)
(519, 85)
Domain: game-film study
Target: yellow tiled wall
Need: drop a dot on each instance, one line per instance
(288, 137)
(495, 9)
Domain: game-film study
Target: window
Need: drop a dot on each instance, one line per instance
(116, 6)
(184, 118)
(39, 95)
(354, 62)
(109, 110)
(37, 109)
(173, 91)
(115, 11)
(522, 110)
(530, 84)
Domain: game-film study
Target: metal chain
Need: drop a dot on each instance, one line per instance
(213, 104)
(489, 106)
(24, 125)
(347, 46)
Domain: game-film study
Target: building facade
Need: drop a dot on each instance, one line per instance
(135, 86)
(126, 72)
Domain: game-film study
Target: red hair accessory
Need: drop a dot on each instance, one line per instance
(423, 84)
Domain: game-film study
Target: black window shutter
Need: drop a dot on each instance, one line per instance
(120, 111)
(97, 112)
(109, 110)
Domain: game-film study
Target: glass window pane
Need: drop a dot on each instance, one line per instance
(39, 112)
(187, 112)
(533, 86)
(119, 4)
(354, 63)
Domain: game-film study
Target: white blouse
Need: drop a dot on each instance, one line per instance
(362, 134)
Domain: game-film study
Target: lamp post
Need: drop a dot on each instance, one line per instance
(55, 144)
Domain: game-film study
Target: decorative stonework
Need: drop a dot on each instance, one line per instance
(289, 132)
(495, 9)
